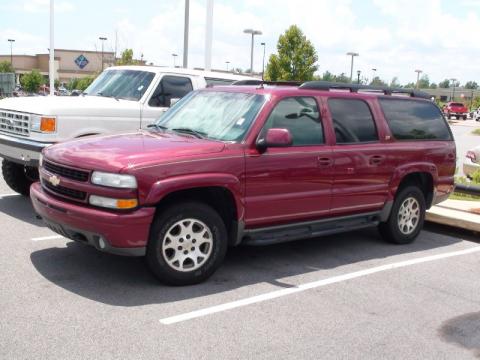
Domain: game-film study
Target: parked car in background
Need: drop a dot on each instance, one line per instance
(456, 109)
(122, 98)
(76, 92)
(251, 165)
(471, 162)
(476, 114)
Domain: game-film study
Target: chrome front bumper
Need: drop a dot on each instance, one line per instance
(21, 151)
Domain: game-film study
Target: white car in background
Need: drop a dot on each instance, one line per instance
(122, 98)
(471, 162)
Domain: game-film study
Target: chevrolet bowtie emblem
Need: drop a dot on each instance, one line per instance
(54, 180)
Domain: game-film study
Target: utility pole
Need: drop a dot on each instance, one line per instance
(11, 41)
(208, 36)
(227, 62)
(374, 71)
(418, 77)
(253, 33)
(174, 60)
(51, 63)
(185, 33)
(263, 62)
(103, 41)
(352, 54)
(453, 81)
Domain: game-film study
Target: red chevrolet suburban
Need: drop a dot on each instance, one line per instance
(251, 164)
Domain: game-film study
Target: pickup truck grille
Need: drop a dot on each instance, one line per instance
(61, 190)
(66, 172)
(14, 122)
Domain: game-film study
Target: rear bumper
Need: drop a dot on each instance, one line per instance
(21, 151)
(122, 233)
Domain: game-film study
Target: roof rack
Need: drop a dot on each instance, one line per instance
(327, 85)
(264, 82)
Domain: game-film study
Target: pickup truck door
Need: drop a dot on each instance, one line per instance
(169, 87)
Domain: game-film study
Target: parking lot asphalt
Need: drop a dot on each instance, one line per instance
(344, 296)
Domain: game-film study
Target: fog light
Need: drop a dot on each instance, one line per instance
(101, 243)
(113, 203)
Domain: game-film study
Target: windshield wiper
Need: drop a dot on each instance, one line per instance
(156, 126)
(107, 96)
(198, 134)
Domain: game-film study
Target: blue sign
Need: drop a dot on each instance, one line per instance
(81, 61)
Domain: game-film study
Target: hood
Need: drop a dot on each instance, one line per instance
(115, 152)
(66, 105)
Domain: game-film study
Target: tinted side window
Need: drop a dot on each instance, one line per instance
(414, 120)
(301, 117)
(214, 81)
(170, 87)
(352, 120)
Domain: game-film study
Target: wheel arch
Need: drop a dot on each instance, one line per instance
(422, 175)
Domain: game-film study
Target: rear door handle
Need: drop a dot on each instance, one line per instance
(324, 161)
(376, 159)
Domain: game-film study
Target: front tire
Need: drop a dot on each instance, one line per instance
(188, 242)
(19, 177)
(406, 218)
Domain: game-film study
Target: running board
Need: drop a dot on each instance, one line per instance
(304, 230)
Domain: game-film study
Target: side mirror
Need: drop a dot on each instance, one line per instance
(275, 138)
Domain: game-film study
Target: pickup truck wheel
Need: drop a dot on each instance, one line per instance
(188, 242)
(464, 117)
(407, 217)
(19, 177)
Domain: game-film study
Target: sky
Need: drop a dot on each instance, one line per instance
(396, 37)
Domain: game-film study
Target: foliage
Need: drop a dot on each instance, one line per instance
(433, 86)
(394, 83)
(56, 83)
(476, 177)
(476, 132)
(376, 81)
(72, 84)
(6, 67)
(463, 180)
(445, 84)
(126, 58)
(296, 57)
(31, 81)
(83, 83)
(410, 85)
(471, 85)
(424, 82)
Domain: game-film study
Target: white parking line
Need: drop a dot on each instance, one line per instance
(47, 238)
(8, 195)
(311, 285)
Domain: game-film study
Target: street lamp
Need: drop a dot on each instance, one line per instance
(358, 76)
(174, 60)
(418, 76)
(11, 41)
(263, 62)
(102, 39)
(352, 54)
(374, 71)
(253, 33)
(453, 81)
(227, 62)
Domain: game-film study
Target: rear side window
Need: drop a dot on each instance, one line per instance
(352, 120)
(214, 81)
(414, 120)
(301, 117)
(170, 87)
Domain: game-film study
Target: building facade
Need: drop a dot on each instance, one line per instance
(69, 64)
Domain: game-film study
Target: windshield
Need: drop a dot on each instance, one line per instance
(121, 84)
(216, 115)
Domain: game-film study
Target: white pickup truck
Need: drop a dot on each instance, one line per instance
(122, 98)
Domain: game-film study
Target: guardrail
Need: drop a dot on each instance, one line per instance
(467, 189)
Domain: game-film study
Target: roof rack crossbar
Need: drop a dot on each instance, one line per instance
(327, 85)
(264, 82)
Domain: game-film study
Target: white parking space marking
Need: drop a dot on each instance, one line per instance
(311, 285)
(53, 237)
(8, 195)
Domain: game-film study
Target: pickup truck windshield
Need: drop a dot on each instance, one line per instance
(121, 84)
(216, 115)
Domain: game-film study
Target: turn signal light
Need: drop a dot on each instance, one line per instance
(48, 124)
(127, 203)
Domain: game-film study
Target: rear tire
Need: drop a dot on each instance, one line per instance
(19, 177)
(465, 117)
(406, 218)
(188, 242)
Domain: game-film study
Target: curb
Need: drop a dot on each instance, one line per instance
(455, 218)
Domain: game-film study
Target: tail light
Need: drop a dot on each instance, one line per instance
(471, 156)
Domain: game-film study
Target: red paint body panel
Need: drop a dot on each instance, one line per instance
(277, 186)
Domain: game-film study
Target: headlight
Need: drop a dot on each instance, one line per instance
(110, 203)
(45, 124)
(114, 180)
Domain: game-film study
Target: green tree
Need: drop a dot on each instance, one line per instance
(433, 86)
(6, 67)
(72, 84)
(378, 82)
(445, 84)
(410, 85)
(31, 81)
(342, 78)
(394, 83)
(296, 57)
(83, 83)
(126, 58)
(424, 82)
(327, 76)
(471, 85)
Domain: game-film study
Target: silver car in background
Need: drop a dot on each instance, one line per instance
(471, 162)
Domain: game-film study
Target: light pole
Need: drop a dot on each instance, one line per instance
(263, 62)
(227, 62)
(185, 34)
(453, 81)
(253, 33)
(174, 60)
(102, 39)
(352, 54)
(358, 76)
(11, 41)
(418, 77)
(374, 71)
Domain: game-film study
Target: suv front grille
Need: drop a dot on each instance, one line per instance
(61, 190)
(66, 172)
(14, 122)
